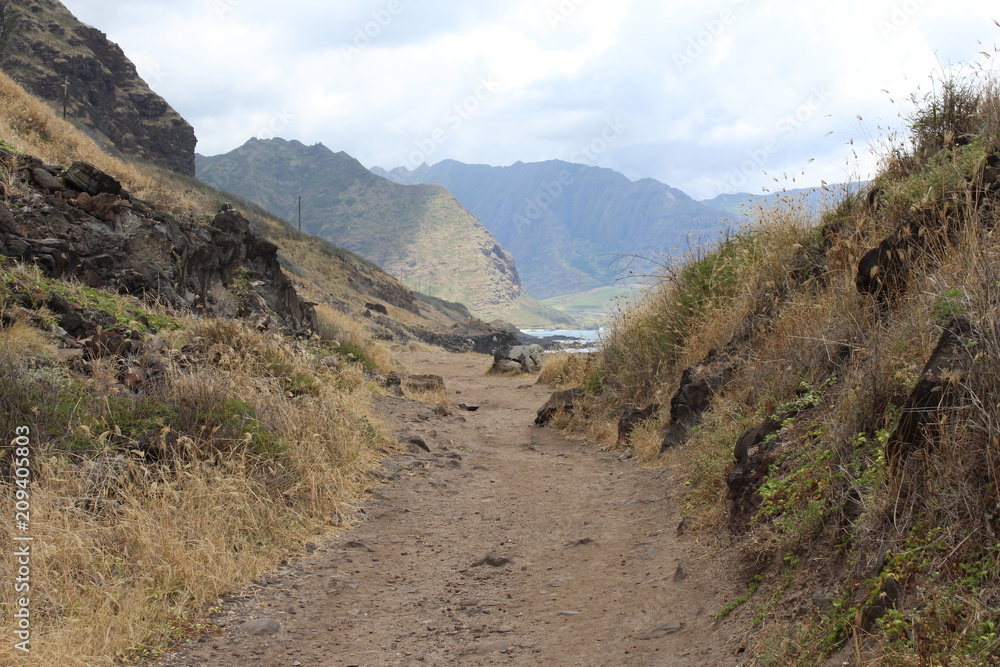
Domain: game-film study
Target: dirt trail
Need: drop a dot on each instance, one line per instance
(507, 544)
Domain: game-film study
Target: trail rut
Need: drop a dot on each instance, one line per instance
(506, 544)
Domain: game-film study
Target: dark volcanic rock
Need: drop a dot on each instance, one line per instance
(882, 271)
(940, 384)
(561, 400)
(46, 180)
(697, 388)
(109, 240)
(631, 417)
(754, 437)
(85, 177)
(471, 335)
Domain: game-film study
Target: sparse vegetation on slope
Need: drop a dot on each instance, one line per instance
(829, 389)
(164, 478)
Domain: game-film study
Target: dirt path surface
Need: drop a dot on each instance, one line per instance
(506, 544)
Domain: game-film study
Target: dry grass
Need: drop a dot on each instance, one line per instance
(645, 441)
(126, 549)
(261, 444)
(427, 396)
(26, 340)
(419, 346)
(29, 126)
(779, 298)
(564, 369)
(339, 326)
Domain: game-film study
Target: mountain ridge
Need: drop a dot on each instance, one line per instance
(571, 227)
(421, 234)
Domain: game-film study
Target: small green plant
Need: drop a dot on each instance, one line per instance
(949, 305)
(948, 114)
(355, 354)
(752, 588)
(894, 625)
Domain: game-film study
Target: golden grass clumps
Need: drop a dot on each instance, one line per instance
(149, 505)
(428, 396)
(565, 369)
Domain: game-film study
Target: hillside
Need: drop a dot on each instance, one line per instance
(154, 356)
(827, 386)
(420, 234)
(571, 227)
(50, 52)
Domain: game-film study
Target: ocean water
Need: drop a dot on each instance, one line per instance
(582, 340)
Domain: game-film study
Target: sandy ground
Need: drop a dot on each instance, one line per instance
(507, 544)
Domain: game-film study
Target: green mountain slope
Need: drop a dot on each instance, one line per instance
(420, 234)
(571, 227)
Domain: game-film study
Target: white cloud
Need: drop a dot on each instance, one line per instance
(706, 91)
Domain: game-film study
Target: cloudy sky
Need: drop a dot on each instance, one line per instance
(706, 96)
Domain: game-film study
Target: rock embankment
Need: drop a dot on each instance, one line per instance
(79, 222)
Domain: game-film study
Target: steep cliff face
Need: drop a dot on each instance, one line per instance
(51, 53)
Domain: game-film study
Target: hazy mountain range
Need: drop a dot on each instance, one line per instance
(571, 227)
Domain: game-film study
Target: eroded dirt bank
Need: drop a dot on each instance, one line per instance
(506, 544)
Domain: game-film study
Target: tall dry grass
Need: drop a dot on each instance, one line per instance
(261, 444)
(779, 299)
(127, 546)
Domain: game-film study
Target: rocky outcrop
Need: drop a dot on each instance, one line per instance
(471, 335)
(560, 401)
(697, 388)
(105, 238)
(630, 419)
(518, 359)
(51, 48)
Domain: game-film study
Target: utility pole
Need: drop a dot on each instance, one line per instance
(300, 209)
(65, 95)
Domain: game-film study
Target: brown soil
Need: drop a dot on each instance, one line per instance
(507, 544)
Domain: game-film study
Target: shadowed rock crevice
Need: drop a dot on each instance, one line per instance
(941, 385)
